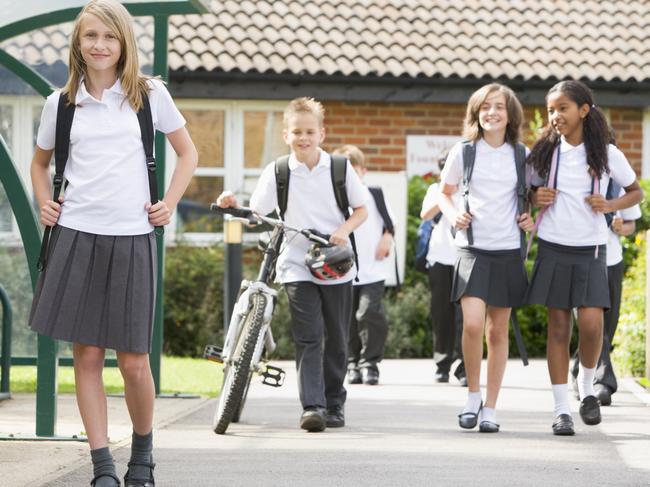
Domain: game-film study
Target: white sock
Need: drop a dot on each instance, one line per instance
(473, 403)
(561, 397)
(489, 414)
(586, 381)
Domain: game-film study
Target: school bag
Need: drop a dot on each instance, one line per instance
(378, 195)
(613, 190)
(425, 229)
(469, 157)
(338, 169)
(64, 116)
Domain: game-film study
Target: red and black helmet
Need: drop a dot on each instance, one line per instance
(328, 263)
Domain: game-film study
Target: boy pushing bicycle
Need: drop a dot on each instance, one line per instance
(320, 302)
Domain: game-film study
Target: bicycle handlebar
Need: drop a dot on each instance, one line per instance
(252, 218)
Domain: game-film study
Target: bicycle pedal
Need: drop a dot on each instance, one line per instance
(273, 376)
(213, 353)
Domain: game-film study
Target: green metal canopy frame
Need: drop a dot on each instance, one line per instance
(25, 16)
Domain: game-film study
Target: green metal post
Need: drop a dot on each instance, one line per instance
(159, 69)
(5, 389)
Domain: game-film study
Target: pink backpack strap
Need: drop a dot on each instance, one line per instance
(551, 182)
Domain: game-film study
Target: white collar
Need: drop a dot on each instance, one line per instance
(505, 148)
(566, 147)
(324, 161)
(83, 94)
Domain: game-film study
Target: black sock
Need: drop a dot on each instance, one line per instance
(103, 467)
(141, 448)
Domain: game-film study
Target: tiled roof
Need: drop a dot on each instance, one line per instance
(507, 39)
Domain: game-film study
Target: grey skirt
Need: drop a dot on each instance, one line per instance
(569, 277)
(498, 277)
(97, 290)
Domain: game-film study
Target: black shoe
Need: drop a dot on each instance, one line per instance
(462, 381)
(441, 377)
(590, 410)
(94, 481)
(354, 376)
(370, 376)
(130, 481)
(563, 425)
(335, 417)
(604, 394)
(469, 420)
(488, 427)
(313, 419)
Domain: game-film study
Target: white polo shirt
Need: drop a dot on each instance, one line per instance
(614, 247)
(311, 204)
(442, 248)
(570, 220)
(492, 195)
(106, 169)
(367, 236)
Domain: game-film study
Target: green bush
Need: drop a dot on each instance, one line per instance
(409, 332)
(629, 341)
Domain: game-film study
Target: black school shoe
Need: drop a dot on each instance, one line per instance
(313, 419)
(604, 394)
(354, 376)
(94, 480)
(469, 420)
(563, 425)
(370, 376)
(129, 481)
(335, 417)
(590, 410)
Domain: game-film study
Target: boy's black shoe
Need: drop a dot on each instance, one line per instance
(130, 481)
(335, 417)
(563, 425)
(370, 376)
(604, 394)
(354, 376)
(313, 419)
(442, 377)
(590, 410)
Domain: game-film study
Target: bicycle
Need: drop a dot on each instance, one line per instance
(249, 340)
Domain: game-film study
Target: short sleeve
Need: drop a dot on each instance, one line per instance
(47, 128)
(631, 213)
(452, 174)
(265, 198)
(166, 117)
(619, 167)
(431, 198)
(357, 193)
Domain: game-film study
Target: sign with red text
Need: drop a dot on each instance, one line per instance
(424, 151)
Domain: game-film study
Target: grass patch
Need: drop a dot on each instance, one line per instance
(179, 374)
(645, 382)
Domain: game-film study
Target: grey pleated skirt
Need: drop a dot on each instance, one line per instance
(97, 290)
(498, 277)
(569, 277)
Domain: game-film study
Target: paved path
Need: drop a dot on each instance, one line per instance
(403, 433)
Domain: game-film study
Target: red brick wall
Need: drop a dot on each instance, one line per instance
(380, 129)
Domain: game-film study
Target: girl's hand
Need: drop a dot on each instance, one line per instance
(462, 221)
(545, 196)
(340, 236)
(227, 200)
(50, 212)
(159, 214)
(598, 203)
(383, 248)
(617, 225)
(526, 222)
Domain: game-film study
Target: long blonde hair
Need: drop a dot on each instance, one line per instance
(472, 129)
(117, 18)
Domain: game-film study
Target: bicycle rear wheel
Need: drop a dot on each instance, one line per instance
(237, 375)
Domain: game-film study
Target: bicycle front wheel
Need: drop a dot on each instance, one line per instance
(237, 375)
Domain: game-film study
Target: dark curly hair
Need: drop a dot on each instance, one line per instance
(596, 132)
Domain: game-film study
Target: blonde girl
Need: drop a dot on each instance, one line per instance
(98, 288)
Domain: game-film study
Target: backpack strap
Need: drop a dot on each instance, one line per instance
(64, 117)
(613, 190)
(520, 164)
(469, 156)
(338, 169)
(378, 195)
(145, 120)
(282, 174)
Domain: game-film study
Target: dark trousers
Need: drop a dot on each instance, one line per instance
(320, 320)
(368, 326)
(446, 319)
(605, 371)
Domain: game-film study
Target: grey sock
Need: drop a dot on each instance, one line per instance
(141, 448)
(103, 466)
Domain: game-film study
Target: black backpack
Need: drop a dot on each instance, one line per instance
(380, 201)
(64, 117)
(338, 170)
(469, 156)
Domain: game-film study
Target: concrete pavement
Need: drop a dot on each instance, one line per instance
(401, 433)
